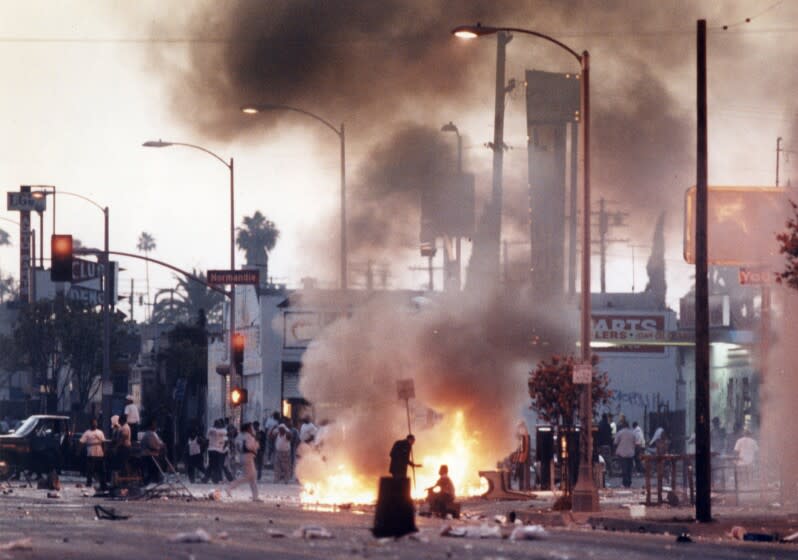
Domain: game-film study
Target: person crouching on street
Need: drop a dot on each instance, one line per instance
(249, 449)
(440, 496)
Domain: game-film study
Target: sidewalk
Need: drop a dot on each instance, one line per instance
(623, 509)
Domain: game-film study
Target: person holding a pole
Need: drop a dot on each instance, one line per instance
(401, 457)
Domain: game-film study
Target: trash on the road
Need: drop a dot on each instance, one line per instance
(683, 538)
(759, 537)
(737, 532)
(53, 494)
(313, 532)
(481, 532)
(275, 533)
(223, 536)
(527, 533)
(791, 538)
(198, 536)
(19, 544)
(108, 513)
(215, 495)
(637, 511)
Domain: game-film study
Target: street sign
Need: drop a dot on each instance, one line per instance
(755, 276)
(583, 374)
(405, 389)
(83, 270)
(22, 201)
(233, 277)
(86, 295)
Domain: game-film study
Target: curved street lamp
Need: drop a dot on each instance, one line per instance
(585, 496)
(340, 132)
(106, 386)
(231, 167)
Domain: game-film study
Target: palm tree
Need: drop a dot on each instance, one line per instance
(257, 237)
(187, 301)
(146, 244)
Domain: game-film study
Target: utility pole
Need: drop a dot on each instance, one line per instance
(703, 459)
(604, 226)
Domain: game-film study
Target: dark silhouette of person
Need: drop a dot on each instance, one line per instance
(401, 457)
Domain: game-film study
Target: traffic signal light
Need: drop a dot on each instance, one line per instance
(238, 396)
(61, 264)
(238, 353)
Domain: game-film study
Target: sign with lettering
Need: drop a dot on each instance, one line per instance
(234, 277)
(621, 331)
(755, 276)
(582, 374)
(22, 201)
(85, 295)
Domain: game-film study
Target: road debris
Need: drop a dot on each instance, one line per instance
(19, 544)
(197, 536)
(108, 513)
(313, 532)
(275, 533)
(481, 532)
(527, 533)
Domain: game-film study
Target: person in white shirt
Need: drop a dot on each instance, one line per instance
(307, 433)
(217, 439)
(624, 442)
(133, 418)
(746, 449)
(640, 445)
(93, 440)
(249, 448)
(282, 454)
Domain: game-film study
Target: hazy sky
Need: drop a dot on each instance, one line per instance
(87, 81)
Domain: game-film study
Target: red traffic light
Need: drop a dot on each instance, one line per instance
(238, 396)
(61, 264)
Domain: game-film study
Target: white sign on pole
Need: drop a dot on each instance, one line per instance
(583, 374)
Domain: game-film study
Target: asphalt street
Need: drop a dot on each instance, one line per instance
(280, 527)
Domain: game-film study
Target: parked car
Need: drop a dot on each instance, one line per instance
(41, 443)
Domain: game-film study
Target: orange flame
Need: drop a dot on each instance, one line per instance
(452, 445)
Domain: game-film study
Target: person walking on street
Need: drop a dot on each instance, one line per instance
(269, 427)
(260, 437)
(93, 440)
(123, 445)
(400, 456)
(625, 449)
(216, 443)
(194, 460)
(282, 454)
(151, 449)
(133, 418)
(249, 448)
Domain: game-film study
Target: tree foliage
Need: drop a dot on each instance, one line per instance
(257, 237)
(186, 301)
(554, 395)
(788, 246)
(60, 343)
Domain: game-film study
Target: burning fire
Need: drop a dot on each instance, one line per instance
(447, 443)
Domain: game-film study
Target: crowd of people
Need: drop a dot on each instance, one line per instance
(212, 456)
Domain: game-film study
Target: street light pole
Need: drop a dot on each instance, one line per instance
(231, 167)
(341, 133)
(585, 496)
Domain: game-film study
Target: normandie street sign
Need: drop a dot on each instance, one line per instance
(233, 277)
